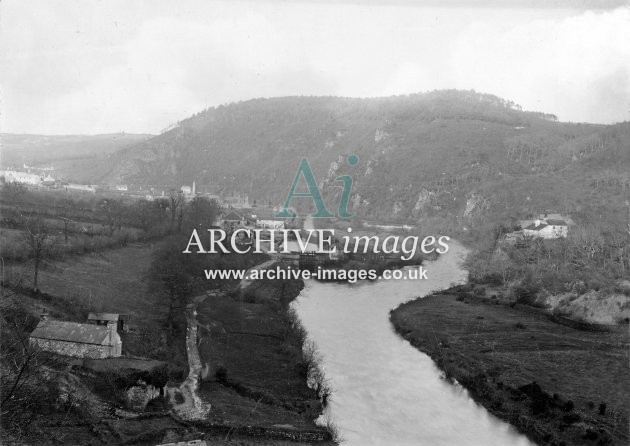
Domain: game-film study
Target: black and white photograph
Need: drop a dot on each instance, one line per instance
(315, 222)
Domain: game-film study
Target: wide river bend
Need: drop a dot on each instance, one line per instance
(385, 392)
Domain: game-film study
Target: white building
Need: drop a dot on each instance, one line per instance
(13, 176)
(547, 228)
(48, 181)
(189, 192)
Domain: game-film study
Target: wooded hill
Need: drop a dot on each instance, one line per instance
(421, 156)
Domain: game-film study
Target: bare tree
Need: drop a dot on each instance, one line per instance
(175, 203)
(25, 390)
(39, 240)
(64, 215)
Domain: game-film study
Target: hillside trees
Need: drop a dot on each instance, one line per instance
(114, 212)
(593, 255)
(175, 204)
(201, 214)
(150, 214)
(170, 275)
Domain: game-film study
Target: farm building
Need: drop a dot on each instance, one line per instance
(547, 228)
(78, 340)
(107, 318)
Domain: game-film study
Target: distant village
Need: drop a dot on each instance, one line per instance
(237, 210)
(43, 178)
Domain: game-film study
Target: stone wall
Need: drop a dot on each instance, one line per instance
(72, 348)
(137, 397)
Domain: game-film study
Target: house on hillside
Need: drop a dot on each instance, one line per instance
(78, 340)
(547, 228)
(48, 181)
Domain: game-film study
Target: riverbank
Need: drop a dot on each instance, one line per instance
(253, 371)
(556, 384)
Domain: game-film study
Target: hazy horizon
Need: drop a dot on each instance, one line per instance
(107, 67)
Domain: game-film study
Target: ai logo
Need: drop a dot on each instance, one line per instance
(314, 193)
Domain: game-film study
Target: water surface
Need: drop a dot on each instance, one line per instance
(385, 391)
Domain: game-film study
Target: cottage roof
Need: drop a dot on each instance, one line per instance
(71, 332)
(233, 216)
(113, 317)
(533, 226)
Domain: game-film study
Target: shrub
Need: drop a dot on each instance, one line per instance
(571, 418)
(221, 374)
(590, 434)
(539, 405)
(568, 406)
(525, 292)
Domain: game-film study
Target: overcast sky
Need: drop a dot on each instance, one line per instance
(137, 66)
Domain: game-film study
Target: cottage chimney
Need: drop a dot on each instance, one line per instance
(537, 223)
(193, 188)
(43, 315)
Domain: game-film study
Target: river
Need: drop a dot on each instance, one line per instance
(385, 392)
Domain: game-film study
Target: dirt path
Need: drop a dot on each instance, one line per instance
(193, 407)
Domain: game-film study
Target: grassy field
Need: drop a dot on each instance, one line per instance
(495, 350)
(14, 247)
(111, 281)
(262, 383)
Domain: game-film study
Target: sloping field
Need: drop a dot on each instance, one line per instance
(113, 281)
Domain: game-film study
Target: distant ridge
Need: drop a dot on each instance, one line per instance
(420, 155)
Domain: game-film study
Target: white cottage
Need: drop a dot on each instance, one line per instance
(547, 228)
